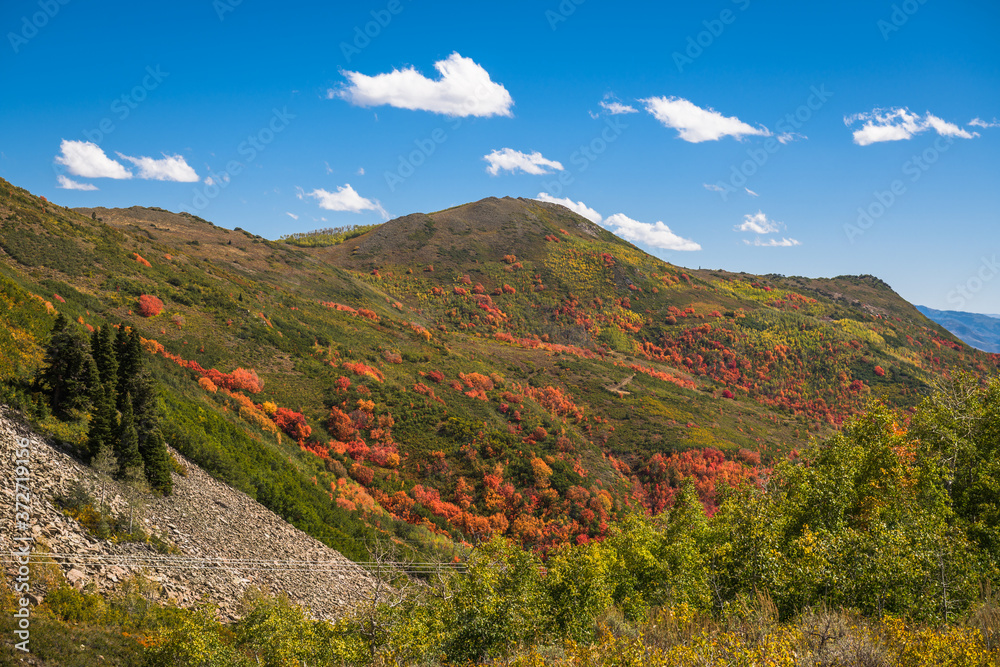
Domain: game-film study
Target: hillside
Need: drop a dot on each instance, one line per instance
(503, 367)
(979, 331)
(213, 533)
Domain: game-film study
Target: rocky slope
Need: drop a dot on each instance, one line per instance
(206, 520)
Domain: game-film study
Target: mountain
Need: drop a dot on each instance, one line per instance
(505, 366)
(980, 331)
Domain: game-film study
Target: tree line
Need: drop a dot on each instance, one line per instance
(106, 376)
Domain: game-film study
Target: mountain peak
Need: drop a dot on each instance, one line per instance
(483, 230)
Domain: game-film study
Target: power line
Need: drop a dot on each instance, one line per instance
(231, 564)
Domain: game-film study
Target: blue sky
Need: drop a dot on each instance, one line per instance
(780, 137)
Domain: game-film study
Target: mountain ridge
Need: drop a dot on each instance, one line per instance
(451, 375)
(980, 331)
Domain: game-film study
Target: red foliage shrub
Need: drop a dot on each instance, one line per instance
(385, 457)
(244, 379)
(149, 306)
(477, 381)
(293, 423)
(362, 369)
(423, 389)
(340, 425)
(362, 475)
(141, 260)
(507, 289)
(436, 376)
(879, 371)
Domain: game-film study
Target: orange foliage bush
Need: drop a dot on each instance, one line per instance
(555, 401)
(364, 370)
(362, 475)
(150, 306)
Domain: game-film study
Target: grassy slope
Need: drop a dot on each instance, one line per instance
(797, 355)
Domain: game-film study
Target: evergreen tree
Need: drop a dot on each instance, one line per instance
(129, 354)
(70, 370)
(127, 443)
(135, 386)
(157, 463)
(103, 429)
(102, 348)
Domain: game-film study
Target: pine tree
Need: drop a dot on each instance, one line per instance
(102, 348)
(69, 372)
(136, 388)
(129, 354)
(156, 459)
(127, 443)
(103, 429)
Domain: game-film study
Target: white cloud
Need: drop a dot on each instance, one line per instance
(615, 108)
(169, 168)
(773, 243)
(900, 124)
(789, 137)
(758, 223)
(711, 187)
(577, 207)
(695, 124)
(291, 215)
(84, 158)
(344, 199)
(464, 89)
(979, 122)
(657, 234)
(511, 160)
(749, 192)
(67, 183)
(361, 171)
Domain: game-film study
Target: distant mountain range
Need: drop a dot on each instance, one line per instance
(980, 331)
